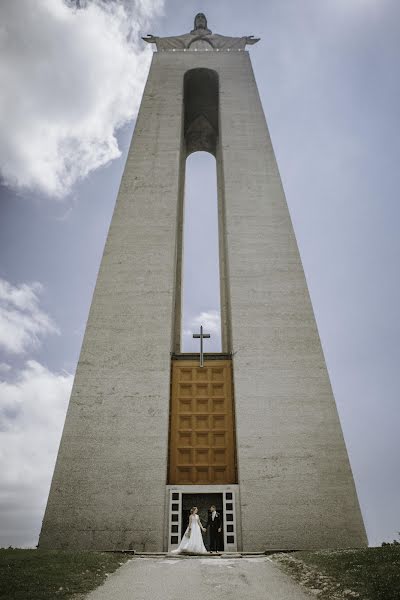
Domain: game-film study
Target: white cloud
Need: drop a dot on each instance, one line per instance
(211, 321)
(69, 79)
(33, 403)
(22, 321)
(32, 412)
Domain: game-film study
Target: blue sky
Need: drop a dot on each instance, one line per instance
(328, 79)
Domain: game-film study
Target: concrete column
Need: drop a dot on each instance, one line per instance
(109, 483)
(297, 489)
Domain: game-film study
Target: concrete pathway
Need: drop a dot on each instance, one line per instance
(199, 579)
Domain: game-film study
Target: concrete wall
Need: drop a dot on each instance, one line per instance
(108, 488)
(297, 488)
(296, 485)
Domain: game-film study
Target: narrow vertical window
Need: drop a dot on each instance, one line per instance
(201, 276)
(199, 264)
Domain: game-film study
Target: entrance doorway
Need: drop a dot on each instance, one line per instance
(203, 503)
(181, 498)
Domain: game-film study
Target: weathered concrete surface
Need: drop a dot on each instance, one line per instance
(109, 482)
(196, 579)
(296, 485)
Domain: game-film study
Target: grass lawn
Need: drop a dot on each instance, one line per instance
(370, 574)
(49, 575)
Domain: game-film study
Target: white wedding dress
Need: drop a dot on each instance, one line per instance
(194, 543)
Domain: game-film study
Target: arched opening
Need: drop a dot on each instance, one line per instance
(201, 276)
(201, 111)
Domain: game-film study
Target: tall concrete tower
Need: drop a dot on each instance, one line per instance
(149, 431)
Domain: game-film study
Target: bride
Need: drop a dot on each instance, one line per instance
(192, 541)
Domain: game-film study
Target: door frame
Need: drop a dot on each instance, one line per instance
(230, 498)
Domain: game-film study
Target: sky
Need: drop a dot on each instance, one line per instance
(72, 80)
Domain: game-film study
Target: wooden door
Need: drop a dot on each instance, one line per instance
(202, 441)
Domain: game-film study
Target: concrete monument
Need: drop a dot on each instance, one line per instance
(254, 430)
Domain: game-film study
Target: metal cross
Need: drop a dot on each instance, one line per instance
(202, 336)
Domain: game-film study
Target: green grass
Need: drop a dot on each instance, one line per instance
(370, 574)
(49, 575)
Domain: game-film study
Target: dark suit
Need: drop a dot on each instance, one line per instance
(214, 526)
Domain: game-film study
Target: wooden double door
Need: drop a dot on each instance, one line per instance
(202, 437)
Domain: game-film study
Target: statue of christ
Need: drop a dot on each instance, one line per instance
(200, 38)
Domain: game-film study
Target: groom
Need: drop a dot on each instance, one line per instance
(214, 523)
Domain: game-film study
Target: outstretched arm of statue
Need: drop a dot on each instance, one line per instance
(150, 39)
(250, 39)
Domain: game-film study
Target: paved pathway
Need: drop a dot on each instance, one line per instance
(199, 579)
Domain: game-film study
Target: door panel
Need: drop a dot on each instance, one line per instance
(202, 440)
